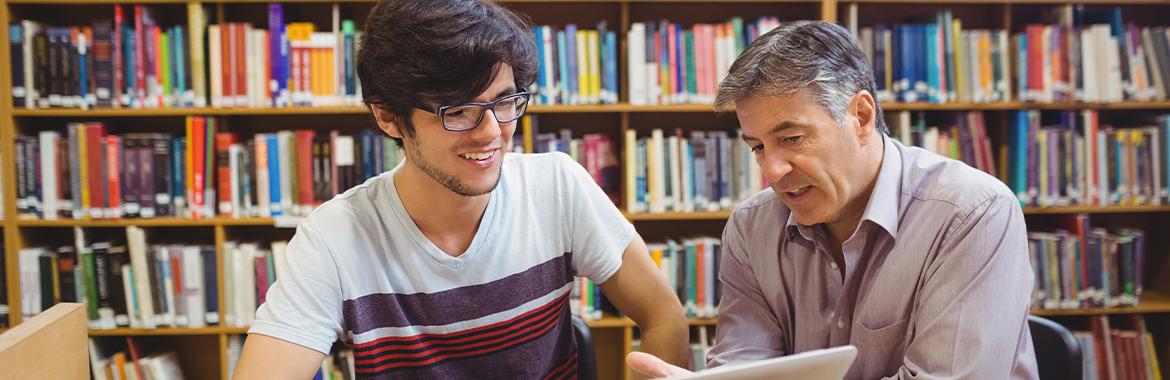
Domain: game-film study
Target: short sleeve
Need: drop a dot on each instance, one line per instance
(598, 231)
(305, 306)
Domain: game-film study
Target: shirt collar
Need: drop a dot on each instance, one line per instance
(883, 204)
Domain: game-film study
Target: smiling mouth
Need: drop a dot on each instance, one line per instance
(481, 156)
(798, 191)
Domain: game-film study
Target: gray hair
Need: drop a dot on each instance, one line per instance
(820, 56)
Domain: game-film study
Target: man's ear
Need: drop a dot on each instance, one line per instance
(387, 122)
(863, 109)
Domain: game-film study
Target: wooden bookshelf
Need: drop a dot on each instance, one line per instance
(554, 109)
(212, 330)
(1150, 303)
(613, 335)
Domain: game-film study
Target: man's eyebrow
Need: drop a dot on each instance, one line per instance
(784, 125)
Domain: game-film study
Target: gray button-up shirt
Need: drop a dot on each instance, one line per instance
(936, 282)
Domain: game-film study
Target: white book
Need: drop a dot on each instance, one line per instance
(548, 93)
(1114, 84)
(636, 40)
(32, 96)
(1153, 63)
(30, 282)
(230, 252)
(245, 286)
(49, 141)
(136, 244)
(629, 152)
(284, 141)
(215, 62)
(674, 167)
(655, 176)
(193, 289)
(261, 160)
(279, 249)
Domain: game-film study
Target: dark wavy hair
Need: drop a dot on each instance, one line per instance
(420, 52)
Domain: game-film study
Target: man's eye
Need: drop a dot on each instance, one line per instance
(793, 139)
(758, 148)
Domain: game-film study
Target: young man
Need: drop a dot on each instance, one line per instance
(919, 261)
(458, 263)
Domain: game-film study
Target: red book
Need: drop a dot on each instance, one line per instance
(140, 56)
(195, 145)
(117, 54)
(227, 64)
(223, 143)
(134, 355)
(113, 151)
(261, 278)
(241, 63)
(1035, 34)
(304, 169)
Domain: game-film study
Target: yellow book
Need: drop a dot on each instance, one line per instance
(656, 255)
(1148, 340)
(594, 67)
(83, 169)
(583, 83)
(528, 133)
(960, 84)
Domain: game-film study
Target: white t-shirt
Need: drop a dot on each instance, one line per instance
(360, 270)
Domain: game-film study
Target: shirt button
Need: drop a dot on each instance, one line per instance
(840, 324)
(833, 265)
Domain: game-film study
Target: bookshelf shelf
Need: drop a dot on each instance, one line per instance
(1150, 303)
(610, 321)
(561, 109)
(1096, 210)
(214, 330)
(1043, 2)
(631, 216)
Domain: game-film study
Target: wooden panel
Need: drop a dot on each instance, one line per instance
(57, 333)
(609, 343)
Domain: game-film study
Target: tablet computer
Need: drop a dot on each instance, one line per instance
(830, 363)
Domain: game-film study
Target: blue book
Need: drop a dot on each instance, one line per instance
(178, 182)
(210, 290)
(933, 69)
(541, 79)
(1019, 157)
(1021, 67)
(130, 63)
(611, 65)
(278, 49)
(83, 71)
(347, 30)
(180, 67)
(571, 39)
(274, 175)
(562, 56)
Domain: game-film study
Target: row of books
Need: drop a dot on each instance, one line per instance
(691, 267)
(965, 139)
(671, 65)
(594, 151)
(1109, 352)
(125, 359)
(577, 66)
(705, 171)
(132, 61)
(287, 64)
(1077, 161)
(1081, 266)
(938, 62)
(124, 283)
(92, 174)
(1092, 57)
(132, 284)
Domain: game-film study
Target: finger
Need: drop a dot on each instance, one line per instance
(652, 366)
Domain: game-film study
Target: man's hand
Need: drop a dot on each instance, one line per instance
(653, 367)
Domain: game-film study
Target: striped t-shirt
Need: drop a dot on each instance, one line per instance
(360, 270)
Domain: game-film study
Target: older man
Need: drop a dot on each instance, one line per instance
(917, 260)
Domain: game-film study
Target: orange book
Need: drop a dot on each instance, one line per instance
(113, 145)
(304, 168)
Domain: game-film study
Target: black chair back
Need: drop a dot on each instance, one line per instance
(1058, 352)
(586, 356)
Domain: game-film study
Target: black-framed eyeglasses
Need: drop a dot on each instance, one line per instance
(466, 116)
